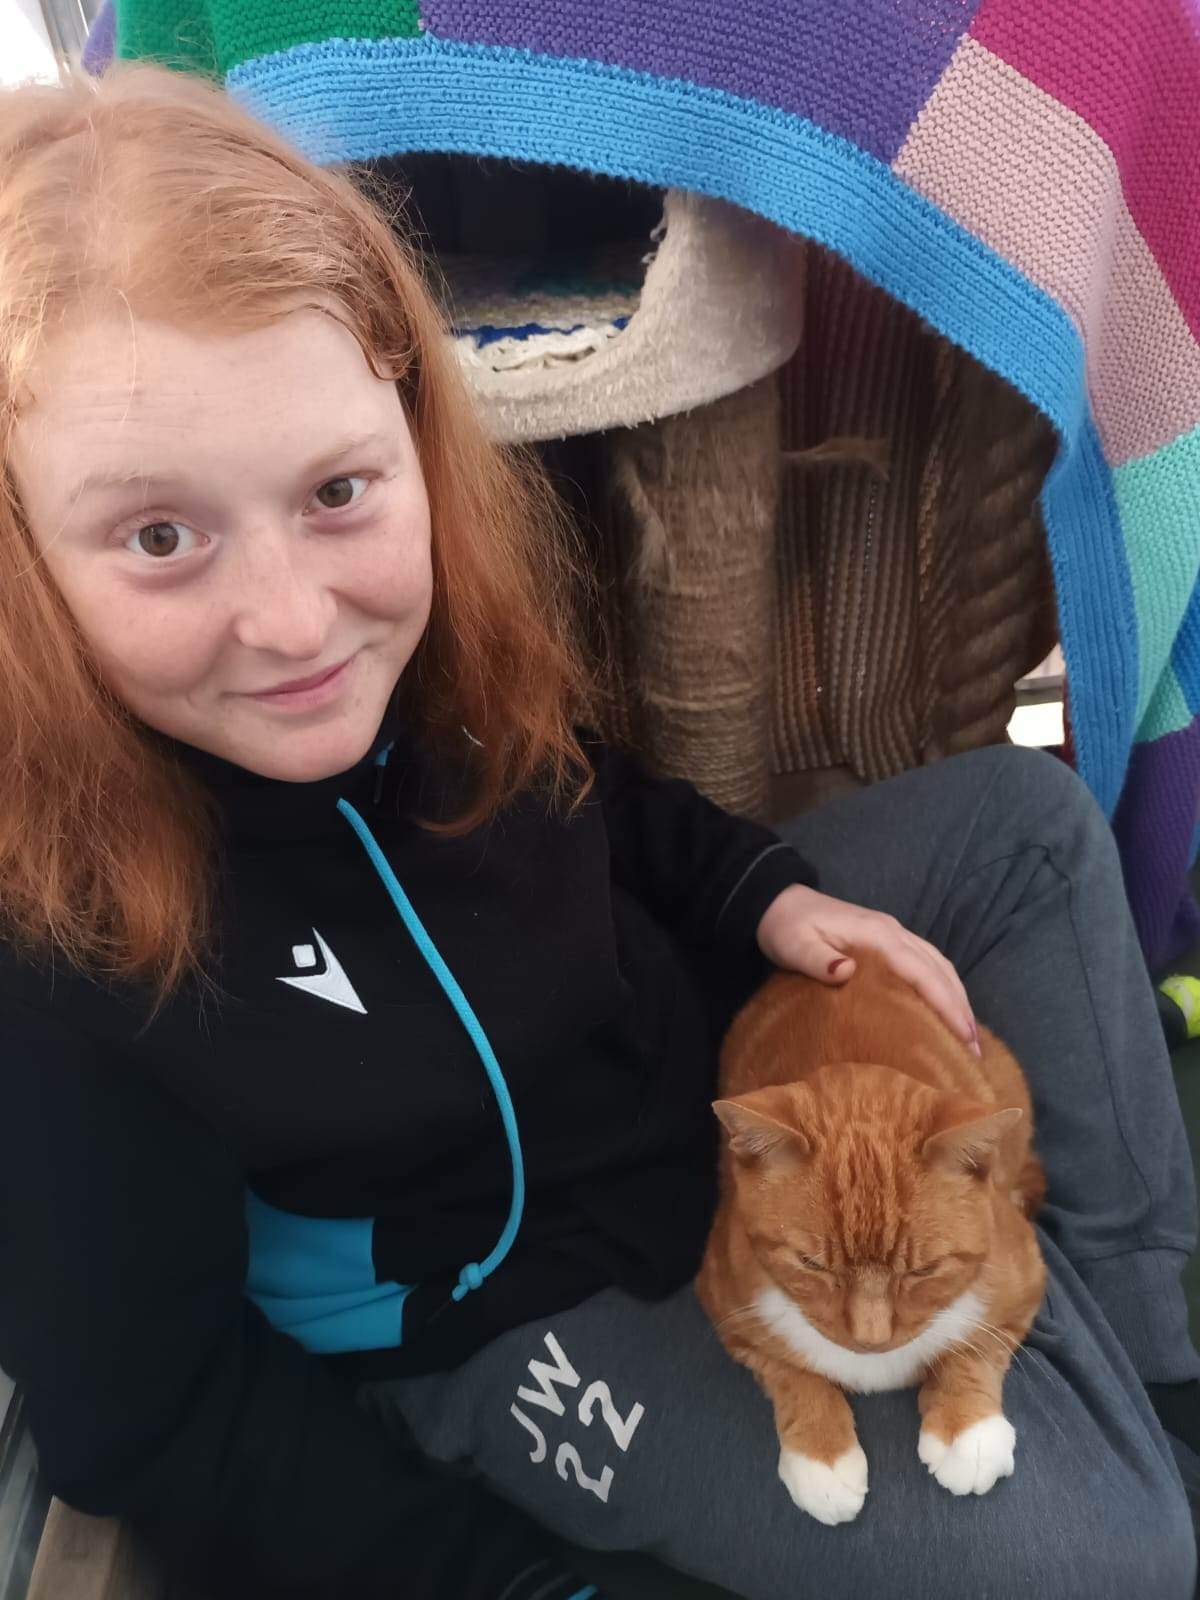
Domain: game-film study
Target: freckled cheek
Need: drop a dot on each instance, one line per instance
(161, 653)
(392, 576)
(145, 644)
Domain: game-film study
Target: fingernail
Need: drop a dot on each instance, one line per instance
(834, 965)
(975, 1044)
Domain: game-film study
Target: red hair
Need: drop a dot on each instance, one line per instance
(155, 191)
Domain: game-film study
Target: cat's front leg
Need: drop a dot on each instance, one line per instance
(966, 1441)
(821, 1463)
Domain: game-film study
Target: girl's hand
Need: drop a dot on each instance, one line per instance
(804, 931)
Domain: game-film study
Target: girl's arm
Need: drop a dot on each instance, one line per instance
(721, 882)
(705, 874)
(158, 1393)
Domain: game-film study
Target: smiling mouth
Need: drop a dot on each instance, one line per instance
(301, 685)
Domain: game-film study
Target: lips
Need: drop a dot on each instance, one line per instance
(299, 685)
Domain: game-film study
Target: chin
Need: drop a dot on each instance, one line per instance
(306, 755)
(322, 758)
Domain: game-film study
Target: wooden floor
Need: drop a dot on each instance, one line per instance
(90, 1558)
(97, 1558)
(23, 1499)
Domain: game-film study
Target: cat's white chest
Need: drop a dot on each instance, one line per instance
(868, 1373)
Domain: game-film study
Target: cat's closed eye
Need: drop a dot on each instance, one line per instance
(926, 1271)
(810, 1265)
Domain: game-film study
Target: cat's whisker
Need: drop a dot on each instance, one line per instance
(1025, 1361)
(1000, 1336)
(957, 1347)
(968, 1344)
(1009, 1341)
(1001, 1333)
(741, 1314)
(982, 1350)
(997, 1336)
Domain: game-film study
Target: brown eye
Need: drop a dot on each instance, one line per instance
(158, 538)
(338, 492)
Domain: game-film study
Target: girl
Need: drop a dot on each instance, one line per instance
(358, 1014)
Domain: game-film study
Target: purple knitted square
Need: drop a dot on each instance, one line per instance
(860, 68)
(1155, 824)
(101, 41)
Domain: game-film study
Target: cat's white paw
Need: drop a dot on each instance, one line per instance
(971, 1462)
(831, 1494)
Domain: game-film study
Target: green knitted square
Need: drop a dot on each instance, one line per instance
(1159, 506)
(175, 32)
(212, 38)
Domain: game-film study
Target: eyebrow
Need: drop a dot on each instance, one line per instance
(123, 478)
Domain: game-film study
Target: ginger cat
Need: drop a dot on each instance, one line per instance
(873, 1229)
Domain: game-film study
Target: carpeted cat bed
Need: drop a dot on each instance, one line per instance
(629, 331)
(1023, 176)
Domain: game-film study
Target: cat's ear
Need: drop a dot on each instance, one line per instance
(754, 1133)
(967, 1136)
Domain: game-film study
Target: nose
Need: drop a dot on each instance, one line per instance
(283, 604)
(870, 1318)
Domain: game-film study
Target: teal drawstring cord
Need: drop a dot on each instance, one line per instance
(475, 1272)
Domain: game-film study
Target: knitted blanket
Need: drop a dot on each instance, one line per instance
(1024, 175)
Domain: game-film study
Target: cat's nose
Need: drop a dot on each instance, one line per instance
(871, 1323)
(874, 1341)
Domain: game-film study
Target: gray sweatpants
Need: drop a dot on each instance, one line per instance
(623, 1425)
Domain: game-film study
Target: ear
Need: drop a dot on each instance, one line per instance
(967, 1136)
(756, 1131)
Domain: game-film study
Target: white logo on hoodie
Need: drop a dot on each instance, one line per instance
(332, 984)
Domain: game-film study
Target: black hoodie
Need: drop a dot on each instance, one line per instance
(214, 1223)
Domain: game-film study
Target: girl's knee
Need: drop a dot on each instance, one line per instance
(1144, 1549)
(1038, 795)
(1110, 1537)
(1034, 775)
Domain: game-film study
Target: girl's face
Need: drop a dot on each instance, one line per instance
(240, 528)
